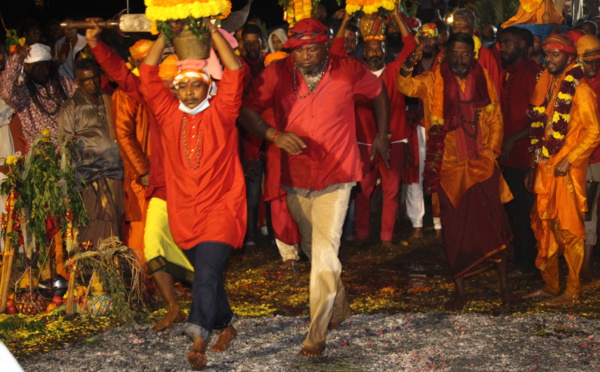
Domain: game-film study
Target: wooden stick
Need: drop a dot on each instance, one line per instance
(70, 289)
(8, 254)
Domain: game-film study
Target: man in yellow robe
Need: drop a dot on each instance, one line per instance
(564, 133)
(464, 139)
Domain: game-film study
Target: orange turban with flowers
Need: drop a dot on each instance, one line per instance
(588, 47)
(168, 68)
(140, 49)
(428, 30)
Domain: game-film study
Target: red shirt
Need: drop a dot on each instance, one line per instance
(595, 84)
(323, 119)
(365, 118)
(207, 203)
(518, 84)
(115, 67)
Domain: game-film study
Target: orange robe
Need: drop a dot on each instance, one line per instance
(472, 190)
(458, 176)
(535, 15)
(133, 136)
(557, 215)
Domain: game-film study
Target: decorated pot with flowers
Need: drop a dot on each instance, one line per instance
(183, 21)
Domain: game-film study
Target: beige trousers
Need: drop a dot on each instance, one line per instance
(320, 217)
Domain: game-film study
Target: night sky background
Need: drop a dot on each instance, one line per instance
(13, 11)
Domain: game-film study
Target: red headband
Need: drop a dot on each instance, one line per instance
(559, 42)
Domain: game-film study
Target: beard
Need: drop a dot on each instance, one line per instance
(375, 62)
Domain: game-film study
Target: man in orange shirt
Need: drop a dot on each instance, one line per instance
(564, 133)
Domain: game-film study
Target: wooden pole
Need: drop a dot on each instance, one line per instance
(8, 254)
(70, 290)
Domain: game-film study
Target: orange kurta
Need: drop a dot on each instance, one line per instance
(563, 198)
(133, 136)
(458, 176)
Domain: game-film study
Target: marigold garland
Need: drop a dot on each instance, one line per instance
(370, 6)
(165, 10)
(436, 137)
(545, 145)
(297, 10)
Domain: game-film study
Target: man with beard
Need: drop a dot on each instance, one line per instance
(38, 98)
(518, 82)
(588, 54)
(252, 40)
(564, 133)
(312, 93)
(464, 139)
(86, 120)
(536, 53)
(366, 132)
(464, 21)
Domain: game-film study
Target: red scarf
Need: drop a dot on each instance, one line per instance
(461, 109)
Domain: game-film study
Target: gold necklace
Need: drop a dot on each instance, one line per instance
(188, 156)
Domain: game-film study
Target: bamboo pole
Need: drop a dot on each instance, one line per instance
(70, 290)
(8, 254)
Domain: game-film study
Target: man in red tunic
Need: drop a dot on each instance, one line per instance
(518, 83)
(206, 195)
(374, 168)
(312, 93)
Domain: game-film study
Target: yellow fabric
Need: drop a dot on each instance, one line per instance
(158, 241)
(458, 176)
(588, 45)
(535, 17)
(563, 198)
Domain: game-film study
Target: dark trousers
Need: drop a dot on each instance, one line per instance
(518, 210)
(253, 197)
(210, 308)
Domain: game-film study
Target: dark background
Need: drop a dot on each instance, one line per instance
(13, 11)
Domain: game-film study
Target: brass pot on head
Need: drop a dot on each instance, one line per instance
(189, 46)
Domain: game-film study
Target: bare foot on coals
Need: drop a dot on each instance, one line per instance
(225, 338)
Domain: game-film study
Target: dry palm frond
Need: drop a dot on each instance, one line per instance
(120, 273)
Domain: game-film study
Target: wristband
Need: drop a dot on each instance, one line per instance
(275, 135)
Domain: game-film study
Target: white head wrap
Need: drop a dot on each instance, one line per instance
(203, 75)
(281, 34)
(38, 53)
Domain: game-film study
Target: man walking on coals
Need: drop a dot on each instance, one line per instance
(206, 195)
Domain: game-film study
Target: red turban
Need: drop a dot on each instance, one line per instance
(563, 43)
(306, 31)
